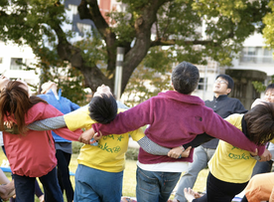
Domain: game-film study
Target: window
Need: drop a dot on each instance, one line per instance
(73, 9)
(16, 63)
(256, 55)
(30, 62)
(83, 28)
(202, 85)
(120, 7)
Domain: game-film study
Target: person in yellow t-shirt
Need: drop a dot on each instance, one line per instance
(99, 174)
(230, 167)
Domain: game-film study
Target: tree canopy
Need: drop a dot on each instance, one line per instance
(154, 33)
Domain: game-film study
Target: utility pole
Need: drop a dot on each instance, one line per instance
(118, 72)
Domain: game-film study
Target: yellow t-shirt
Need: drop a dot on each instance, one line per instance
(229, 163)
(109, 155)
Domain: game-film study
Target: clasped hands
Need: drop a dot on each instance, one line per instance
(7, 191)
(176, 152)
(87, 135)
(266, 156)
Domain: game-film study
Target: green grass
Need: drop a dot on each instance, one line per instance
(73, 166)
(129, 182)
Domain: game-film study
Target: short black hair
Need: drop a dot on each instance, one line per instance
(103, 109)
(230, 82)
(185, 77)
(270, 86)
(260, 123)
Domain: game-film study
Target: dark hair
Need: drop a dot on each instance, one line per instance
(103, 109)
(185, 78)
(15, 101)
(260, 123)
(228, 79)
(270, 86)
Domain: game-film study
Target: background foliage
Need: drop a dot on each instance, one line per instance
(155, 35)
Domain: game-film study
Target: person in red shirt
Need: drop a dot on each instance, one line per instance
(31, 154)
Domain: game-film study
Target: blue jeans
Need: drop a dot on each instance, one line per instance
(25, 187)
(155, 186)
(200, 159)
(96, 185)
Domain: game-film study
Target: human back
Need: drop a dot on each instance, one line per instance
(109, 155)
(229, 163)
(174, 114)
(36, 148)
(258, 125)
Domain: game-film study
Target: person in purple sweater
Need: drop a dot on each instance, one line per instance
(174, 118)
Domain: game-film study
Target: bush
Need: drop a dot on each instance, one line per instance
(132, 154)
(76, 146)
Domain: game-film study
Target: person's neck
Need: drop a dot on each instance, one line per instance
(218, 95)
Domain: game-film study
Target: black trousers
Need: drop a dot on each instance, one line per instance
(63, 160)
(220, 191)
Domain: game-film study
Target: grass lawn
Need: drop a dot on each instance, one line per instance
(129, 181)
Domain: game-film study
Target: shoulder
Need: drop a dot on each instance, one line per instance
(208, 102)
(233, 99)
(68, 101)
(41, 107)
(207, 109)
(65, 99)
(81, 112)
(44, 97)
(239, 107)
(36, 112)
(234, 119)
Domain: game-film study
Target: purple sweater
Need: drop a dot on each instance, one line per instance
(175, 119)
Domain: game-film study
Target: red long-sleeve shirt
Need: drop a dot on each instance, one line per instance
(175, 119)
(33, 154)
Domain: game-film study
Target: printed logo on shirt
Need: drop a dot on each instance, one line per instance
(106, 146)
(242, 156)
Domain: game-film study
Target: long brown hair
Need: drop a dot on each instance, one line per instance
(260, 123)
(15, 102)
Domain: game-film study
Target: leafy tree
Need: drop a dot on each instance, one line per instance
(147, 82)
(268, 31)
(260, 87)
(51, 68)
(166, 31)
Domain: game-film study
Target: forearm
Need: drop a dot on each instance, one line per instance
(151, 147)
(198, 140)
(48, 124)
(3, 178)
(7, 191)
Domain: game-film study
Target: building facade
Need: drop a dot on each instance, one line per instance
(254, 63)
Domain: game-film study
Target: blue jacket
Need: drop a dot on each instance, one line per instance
(63, 104)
